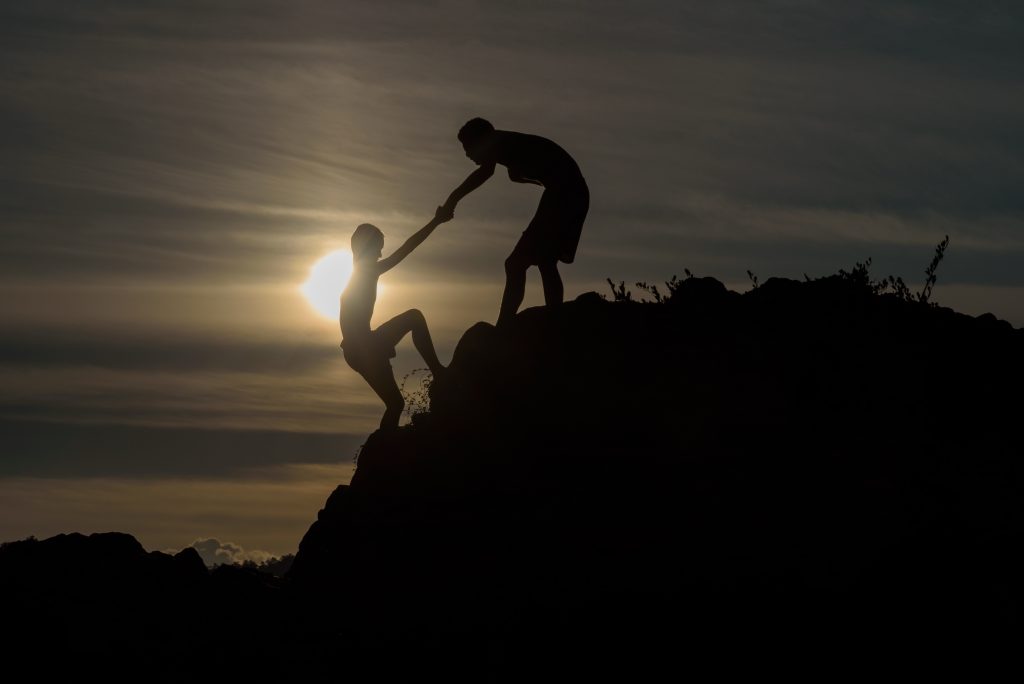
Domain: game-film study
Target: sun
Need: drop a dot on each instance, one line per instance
(327, 278)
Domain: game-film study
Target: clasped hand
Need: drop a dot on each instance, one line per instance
(444, 214)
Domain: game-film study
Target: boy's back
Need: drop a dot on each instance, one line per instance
(357, 302)
(533, 158)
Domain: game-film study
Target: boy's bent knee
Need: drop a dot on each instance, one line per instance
(515, 264)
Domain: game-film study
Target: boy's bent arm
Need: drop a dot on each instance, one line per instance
(412, 243)
(472, 182)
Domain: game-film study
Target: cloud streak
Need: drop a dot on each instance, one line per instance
(53, 450)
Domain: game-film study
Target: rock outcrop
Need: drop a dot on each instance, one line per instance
(806, 461)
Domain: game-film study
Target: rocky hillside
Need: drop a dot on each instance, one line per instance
(809, 461)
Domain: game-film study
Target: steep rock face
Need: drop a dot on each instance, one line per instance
(806, 454)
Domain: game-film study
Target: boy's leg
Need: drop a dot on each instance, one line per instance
(538, 246)
(382, 380)
(554, 292)
(515, 284)
(392, 332)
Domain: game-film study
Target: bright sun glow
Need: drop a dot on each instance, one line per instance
(327, 279)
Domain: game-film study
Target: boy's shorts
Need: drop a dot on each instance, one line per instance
(554, 233)
(365, 355)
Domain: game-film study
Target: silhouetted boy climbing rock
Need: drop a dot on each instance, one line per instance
(367, 351)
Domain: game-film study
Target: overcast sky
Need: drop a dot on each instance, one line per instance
(171, 171)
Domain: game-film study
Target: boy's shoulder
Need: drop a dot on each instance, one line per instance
(363, 276)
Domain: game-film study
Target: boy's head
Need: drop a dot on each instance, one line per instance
(367, 242)
(475, 136)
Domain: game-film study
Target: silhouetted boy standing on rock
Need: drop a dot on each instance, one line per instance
(369, 352)
(554, 232)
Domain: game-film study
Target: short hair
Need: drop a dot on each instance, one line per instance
(365, 237)
(474, 129)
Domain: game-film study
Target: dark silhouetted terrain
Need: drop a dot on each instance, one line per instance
(809, 479)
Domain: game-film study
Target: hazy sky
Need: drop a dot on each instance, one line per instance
(171, 171)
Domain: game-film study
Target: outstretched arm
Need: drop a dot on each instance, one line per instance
(440, 216)
(472, 182)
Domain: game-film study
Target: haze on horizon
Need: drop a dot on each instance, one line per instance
(173, 170)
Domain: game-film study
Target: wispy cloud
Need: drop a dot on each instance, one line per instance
(216, 552)
(249, 130)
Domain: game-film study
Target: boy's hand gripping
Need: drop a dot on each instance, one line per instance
(444, 214)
